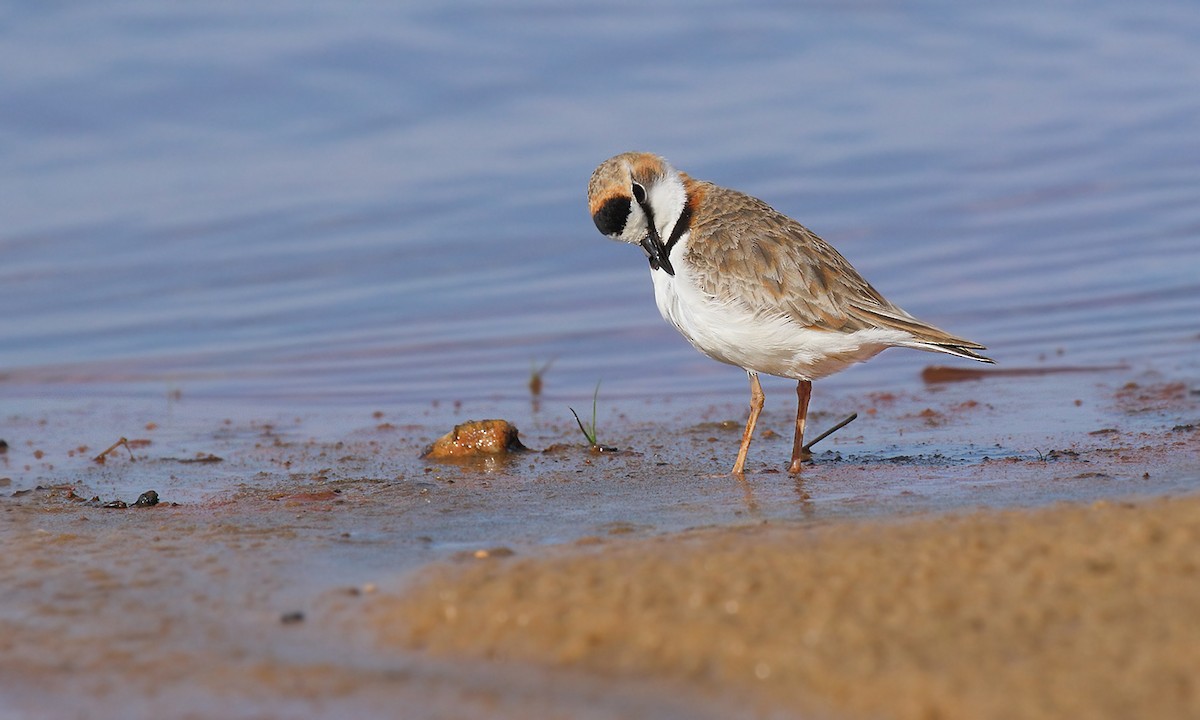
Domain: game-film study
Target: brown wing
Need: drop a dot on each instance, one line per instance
(745, 251)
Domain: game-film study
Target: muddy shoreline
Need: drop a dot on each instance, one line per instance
(318, 577)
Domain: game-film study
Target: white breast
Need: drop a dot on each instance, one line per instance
(732, 332)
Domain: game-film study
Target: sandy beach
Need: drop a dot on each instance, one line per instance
(1072, 611)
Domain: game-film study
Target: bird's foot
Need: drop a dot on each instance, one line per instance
(797, 462)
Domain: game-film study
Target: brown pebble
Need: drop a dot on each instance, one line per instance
(475, 438)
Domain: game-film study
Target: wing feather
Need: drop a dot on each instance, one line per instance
(747, 252)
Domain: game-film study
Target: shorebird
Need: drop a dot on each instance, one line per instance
(751, 287)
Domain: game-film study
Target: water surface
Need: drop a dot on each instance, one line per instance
(283, 208)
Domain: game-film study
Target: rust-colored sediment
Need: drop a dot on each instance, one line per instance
(1072, 611)
(937, 374)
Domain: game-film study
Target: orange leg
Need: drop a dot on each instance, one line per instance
(756, 406)
(803, 393)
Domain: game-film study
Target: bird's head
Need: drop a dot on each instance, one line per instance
(638, 198)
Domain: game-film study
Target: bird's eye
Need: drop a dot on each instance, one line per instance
(639, 193)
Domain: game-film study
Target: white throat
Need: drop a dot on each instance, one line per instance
(667, 198)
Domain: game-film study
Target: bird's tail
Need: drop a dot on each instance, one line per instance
(964, 351)
(924, 336)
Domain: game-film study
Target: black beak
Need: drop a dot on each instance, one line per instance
(653, 244)
(654, 250)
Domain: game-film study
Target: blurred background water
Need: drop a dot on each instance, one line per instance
(383, 204)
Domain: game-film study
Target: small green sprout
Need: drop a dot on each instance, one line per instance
(589, 432)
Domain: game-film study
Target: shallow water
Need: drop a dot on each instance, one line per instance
(294, 206)
(291, 217)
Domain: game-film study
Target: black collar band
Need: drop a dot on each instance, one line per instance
(681, 226)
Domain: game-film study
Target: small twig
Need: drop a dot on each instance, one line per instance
(100, 458)
(830, 431)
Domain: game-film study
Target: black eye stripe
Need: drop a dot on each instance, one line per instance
(610, 218)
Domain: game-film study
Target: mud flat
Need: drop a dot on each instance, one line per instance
(1024, 550)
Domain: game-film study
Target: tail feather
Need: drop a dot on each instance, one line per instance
(962, 351)
(924, 336)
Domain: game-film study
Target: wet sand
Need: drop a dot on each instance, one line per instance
(1075, 611)
(318, 578)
